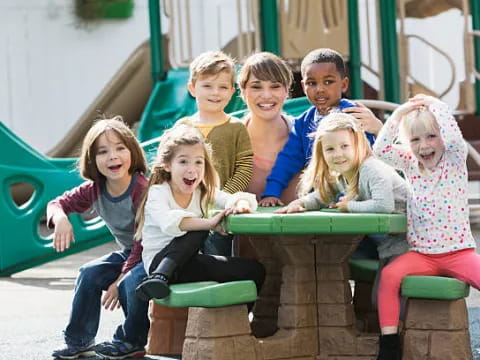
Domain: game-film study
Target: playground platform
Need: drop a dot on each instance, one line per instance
(36, 304)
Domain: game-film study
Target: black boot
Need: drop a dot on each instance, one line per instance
(390, 347)
(156, 284)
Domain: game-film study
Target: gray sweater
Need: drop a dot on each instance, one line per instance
(380, 190)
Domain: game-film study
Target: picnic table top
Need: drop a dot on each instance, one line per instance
(325, 221)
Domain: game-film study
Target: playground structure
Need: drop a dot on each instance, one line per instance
(150, 92)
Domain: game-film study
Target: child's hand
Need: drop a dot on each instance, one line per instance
(342, 204)
(425, 100)
(271, 201)
(412, 104)
(293, 207)
(63, 233)
(366, 119)
(216, 222)
(110, 298)
(241, 207)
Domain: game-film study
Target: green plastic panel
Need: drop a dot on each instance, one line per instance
(434, 287)
(210, 294)
(363, 269)
(265, 221)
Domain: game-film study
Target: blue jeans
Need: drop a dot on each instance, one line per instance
(135, 328)
(93, 278)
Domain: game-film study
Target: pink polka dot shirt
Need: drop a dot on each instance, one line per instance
(437, 203)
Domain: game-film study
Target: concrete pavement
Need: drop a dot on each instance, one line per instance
(35, 306)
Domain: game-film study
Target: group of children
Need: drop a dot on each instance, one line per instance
(205, 162)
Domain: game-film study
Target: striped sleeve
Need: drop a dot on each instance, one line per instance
(242, 174)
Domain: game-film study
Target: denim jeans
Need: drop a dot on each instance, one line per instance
(218, 244)
(95, 277)
(135, 328)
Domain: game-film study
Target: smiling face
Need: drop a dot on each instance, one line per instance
(112, 157)
(323, 85)
(264, 99)
(427, 146)
(338, 148)
(187, 169)
(212, 92)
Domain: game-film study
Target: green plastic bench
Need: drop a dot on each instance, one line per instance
(210, 294)
(434, 287)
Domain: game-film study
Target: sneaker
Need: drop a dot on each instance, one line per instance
(119, 350)
(72, 352)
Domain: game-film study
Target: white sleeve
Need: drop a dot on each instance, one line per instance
(159, 211)
(224, 200)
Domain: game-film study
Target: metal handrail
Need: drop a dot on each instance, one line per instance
(445, 55)
(180, 30)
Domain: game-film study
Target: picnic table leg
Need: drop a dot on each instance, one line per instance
(336, 318)
(266, 307)
(297, 334)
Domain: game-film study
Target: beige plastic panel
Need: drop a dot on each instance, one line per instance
(309, 24)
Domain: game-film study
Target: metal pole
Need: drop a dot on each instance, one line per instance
(156, 46)
(391, 76)
(269, 26)
(356, 86)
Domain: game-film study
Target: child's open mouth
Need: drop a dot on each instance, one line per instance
(189, 182)
(114, 167)
(427, 157)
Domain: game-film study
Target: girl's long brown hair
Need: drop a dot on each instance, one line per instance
(169, 143)
(317, 175)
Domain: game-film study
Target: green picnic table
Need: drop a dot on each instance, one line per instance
(305, 308)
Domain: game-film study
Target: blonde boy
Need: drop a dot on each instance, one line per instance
(212, 79)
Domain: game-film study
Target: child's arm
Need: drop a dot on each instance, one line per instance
(243, 168)
(385, 148)
(294, 207)
(380, 185)
(310, 201)
(450, 132)
(63, 233)
(77, 200)
(289, 162)
(196, 223)
(242, 173)
(365, 118)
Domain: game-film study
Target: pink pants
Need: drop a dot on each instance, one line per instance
(463, 265)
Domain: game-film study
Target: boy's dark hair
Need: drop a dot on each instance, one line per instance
(324, 55)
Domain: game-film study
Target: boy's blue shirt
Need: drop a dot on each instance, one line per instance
(297, 152)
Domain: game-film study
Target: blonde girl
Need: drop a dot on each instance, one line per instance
(344, 174)
(173, 222)
(433, 157)
(113, 164)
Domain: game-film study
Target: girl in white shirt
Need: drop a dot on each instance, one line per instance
(172, 220)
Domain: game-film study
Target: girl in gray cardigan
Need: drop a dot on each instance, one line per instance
(345, 175)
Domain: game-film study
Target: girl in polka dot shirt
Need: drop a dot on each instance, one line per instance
(432, 155)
